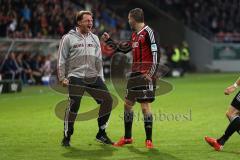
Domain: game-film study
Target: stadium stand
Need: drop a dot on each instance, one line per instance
(53, 18)
(216, 19)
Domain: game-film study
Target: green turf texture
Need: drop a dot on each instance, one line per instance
(29, 129)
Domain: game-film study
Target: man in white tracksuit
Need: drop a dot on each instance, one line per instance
(80, 68)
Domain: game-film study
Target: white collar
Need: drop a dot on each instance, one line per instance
(142, 29)
(77, 30)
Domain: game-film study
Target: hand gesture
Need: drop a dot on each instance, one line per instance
(105, 36)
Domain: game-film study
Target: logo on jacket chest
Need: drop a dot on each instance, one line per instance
(81, 45)
(78, 45)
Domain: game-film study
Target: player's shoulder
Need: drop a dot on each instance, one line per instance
(148, 29)
(150, 33)
(65, 36)
(72, 32)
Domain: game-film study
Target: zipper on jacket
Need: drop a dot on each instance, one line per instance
(85, 50)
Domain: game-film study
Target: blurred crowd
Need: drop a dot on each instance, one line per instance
(27, 67)
(177, 59)
(53, 18)
(219, 17)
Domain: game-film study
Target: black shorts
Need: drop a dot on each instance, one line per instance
(236, 101)
(140, 89)
(94, 86)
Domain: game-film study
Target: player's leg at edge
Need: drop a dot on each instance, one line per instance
(148, 123)
(234, 118)
(128, 120)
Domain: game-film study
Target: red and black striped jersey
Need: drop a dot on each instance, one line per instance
(145, 50)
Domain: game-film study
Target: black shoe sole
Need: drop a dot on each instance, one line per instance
(104, 142)
(65, 143)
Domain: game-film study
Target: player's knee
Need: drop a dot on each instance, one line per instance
(145, 110)
(230, 114)
(71, 116)
(108, 101)
(128, 105)
(74, 105)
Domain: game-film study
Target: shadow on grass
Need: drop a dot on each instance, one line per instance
(151, 154)
(105, 151)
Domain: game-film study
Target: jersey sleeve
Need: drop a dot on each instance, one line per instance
(124, 46)
(63, 52)
(154, 46)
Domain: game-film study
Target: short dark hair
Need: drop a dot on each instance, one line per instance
(80, 14)
(137, 14)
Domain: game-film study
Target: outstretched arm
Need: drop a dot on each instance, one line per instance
(232, 88)
(123, 47)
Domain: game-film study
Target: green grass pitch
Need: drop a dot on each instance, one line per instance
(29, 129)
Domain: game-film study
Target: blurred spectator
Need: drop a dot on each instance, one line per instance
(185, 56)
(36, 66)
(13, 24)
(20, 64)
(26, 75)
(26, 13)
(176, 57)
(10, 69)
(30, 70)
(46, 67)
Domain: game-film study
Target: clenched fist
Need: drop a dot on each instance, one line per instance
(105, 36)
